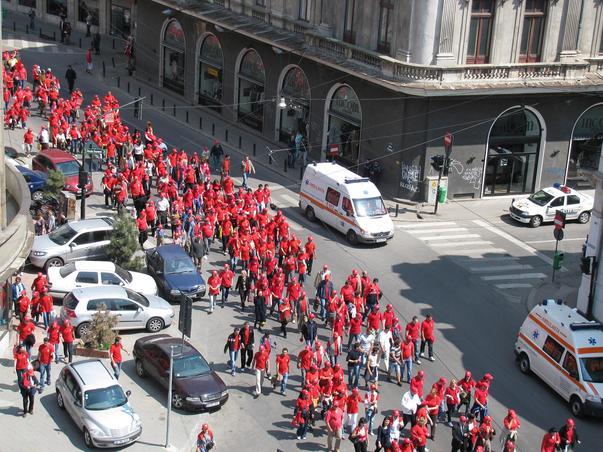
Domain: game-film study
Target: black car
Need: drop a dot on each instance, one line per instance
(175, 273)
(195, 386)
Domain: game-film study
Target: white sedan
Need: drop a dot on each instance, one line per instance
(97, 273)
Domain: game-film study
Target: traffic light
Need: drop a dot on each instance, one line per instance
(585, 265)
(558, 260)
(185, 319)
(437, 162)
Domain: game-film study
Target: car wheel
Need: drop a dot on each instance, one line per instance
(140, 368)
(310, 215)
(584, 217)
(88, 439)
(352, 237)
(82, 329)
(535, 221)
(37, 195)
(177, 401)
(60, 402)
(53, 262)
(576, 406)
(524, 364)
(154, 325)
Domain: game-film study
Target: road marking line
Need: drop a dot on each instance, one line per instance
(448, 237)
(516, 242)
(481, 250)
(476, 242)
(514, 276)
(432, 231)
(553, 241)
(497, 258)
(497, 268)
(513, 286)
(429, 224)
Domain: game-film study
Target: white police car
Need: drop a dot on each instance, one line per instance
(542, 206)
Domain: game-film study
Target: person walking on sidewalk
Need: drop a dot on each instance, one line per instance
(115, 355)
(32, 18)
(67, 334)
(88, 24)
(205, 439)
(248, 169)
(45, 355)
(261, 365)
(27, 386)
(427, 337)
(233, 345)
(70, 76)
(89, 61)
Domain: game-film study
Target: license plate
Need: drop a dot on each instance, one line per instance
(380, 240)
(212, 404)
(121, 441)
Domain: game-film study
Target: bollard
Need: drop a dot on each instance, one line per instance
(285, 165)
(14, 26)
(163, 104)
(269, 155)
(301, 171)
(139, 92)
(397, 207)
(174, 110)
(113, 61)
(240, 142)
(151, 98)
(187, 116)
(254, 149)
(128, 83)
(26, 29)
(226, 135)
(200, 122)
(105, 72)
(113, 44)
(119, 82)
(40, 32)
(54, 36)
(213, 129)
(80, 44)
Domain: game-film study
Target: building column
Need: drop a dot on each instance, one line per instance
(571, 31)
(446, 41)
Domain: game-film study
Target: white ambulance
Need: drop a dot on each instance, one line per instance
(345, 201)
(566, 351)
(544, 204)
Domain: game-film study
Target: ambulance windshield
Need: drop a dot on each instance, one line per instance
(369, 207)
(592, 369)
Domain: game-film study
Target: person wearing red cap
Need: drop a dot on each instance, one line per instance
(304, 361)
(282, 370)
(261, 365)
(46, 304)
(511, 424)
(352, 405)
(568, 436)
(205, 439)
(461, 436)
(416, 383)
(427, 336)
(419, 434)
(310, 249)
(226, 278)
(214, 282)
(334, 422)
(466, 384)
(27, 386)
(480, 404)
(67, 333)
(45, 355)
(550, 441)
(23, 303)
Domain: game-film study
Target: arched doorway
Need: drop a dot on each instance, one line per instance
(585, 149)
(344, 121)
(250, 97)
(173, 47)
(211, 62)
(295, 90)
(514, 146)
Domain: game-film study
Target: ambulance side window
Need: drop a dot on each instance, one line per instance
(553, 348)
(346, 205)
(333, 196)
(569, 364)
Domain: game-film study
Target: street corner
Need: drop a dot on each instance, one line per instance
(562, 289)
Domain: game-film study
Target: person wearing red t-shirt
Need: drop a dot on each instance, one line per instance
(67, 333)
(261, 365)
(407, 351)
(226, 277)
(427, 336)
(45, 355)
(28, 139)
(413, 329)
(214, 282)
(21, 358)
(115, 355)
(282, 370)
(310, 249)
(416, 383)
(334, 421)
(352, 404)
(551, 441)
(419, 435)
(26, 329)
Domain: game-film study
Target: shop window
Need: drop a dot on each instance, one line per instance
(385, 26)
(553, 348)
(121, 20)
(173, 57)
(587, 139)
(28, 3)
(294, 118)
(333, 196)
(250, 98)
(532, 34)
(88, 8)
(344, 120)
(211, 60)
(56, 7)
(480, 31)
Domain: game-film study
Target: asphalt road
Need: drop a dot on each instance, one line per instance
(477, 321)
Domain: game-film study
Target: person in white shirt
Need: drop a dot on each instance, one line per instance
(410, 405)
(366, 341)
(385, 339)
(163, 207)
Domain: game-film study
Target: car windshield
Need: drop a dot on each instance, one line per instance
(123, 274)
(190, 366)
(62, 235)
(592, 369)
(541, 198)
(182, 265)
(137, 298)
(104, 398)
(67, 269)
(69, 168)
(369, 207)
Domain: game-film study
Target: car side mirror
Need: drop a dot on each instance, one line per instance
(72, 244)
(139, 309)
(128, 393)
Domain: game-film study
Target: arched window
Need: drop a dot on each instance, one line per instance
(344, 120)
(295, 90)
(211, 61)
(174, 45)
(250, 98)
(513, 153)
(585, 149)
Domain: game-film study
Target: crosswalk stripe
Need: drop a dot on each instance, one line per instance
(435, 231)
(500, 268)
(448, 237)
(514, 276)
(475, 242)
(513, 286)
(481, 250)
(429, 224)
(493, 259)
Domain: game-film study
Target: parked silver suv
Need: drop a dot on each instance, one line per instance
(74, 241)
(134, 311)
(97, 404)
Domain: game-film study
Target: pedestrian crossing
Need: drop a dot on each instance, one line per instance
(472, 246)
(35, 44)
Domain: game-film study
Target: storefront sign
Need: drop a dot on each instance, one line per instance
(590, 123)
(346, 103)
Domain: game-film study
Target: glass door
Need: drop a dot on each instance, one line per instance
(510, 174)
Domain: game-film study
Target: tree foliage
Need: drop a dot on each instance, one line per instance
(124, 242)
(101, 334)
(54, 183)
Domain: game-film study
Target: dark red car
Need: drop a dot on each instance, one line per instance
(55, 159)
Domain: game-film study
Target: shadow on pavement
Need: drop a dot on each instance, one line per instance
(64, 423)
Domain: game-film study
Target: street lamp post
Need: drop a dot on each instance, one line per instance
(83, 180)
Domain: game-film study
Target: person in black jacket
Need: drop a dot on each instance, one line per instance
(197, 251)
(71, 76)
(461, 437)
(383, 435)
(233, 345)
(569, 436)
(246, 344)
(242, 287)
(309, 331)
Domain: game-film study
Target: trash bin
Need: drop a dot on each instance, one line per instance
(442, 194)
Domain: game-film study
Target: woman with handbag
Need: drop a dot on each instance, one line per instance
(359, 436)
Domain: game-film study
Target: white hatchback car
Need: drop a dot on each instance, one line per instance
(542, 206)
(97, 273)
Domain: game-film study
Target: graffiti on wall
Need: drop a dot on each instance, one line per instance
(471, 175)
(410, 176)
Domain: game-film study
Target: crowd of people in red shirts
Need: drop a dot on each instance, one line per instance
(274, 267)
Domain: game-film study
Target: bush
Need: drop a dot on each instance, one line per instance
(101, 334)
(124, 242)
(54, 183)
